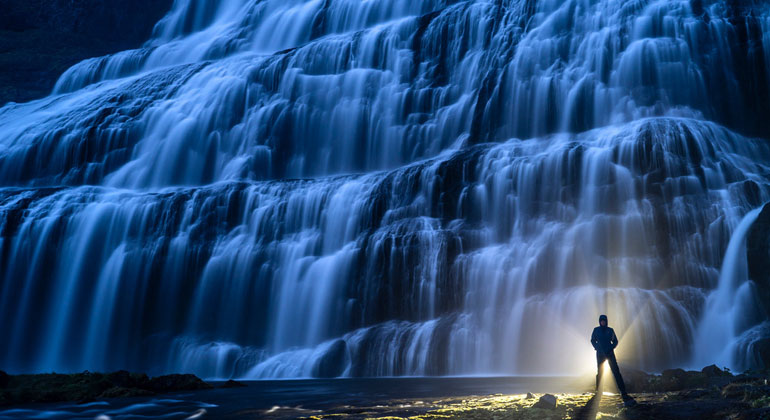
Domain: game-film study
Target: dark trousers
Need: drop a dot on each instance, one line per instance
(610, 357)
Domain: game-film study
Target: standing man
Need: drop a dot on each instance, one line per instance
(604, 341)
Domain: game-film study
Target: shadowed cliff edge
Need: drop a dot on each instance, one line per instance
(40, 39)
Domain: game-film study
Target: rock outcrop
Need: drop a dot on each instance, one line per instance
(40, 39)
(87, 386)
(546, 401)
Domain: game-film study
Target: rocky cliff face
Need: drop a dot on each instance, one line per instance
(758, 252)
(39, 39)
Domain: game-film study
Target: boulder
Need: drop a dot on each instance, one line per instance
(546, 401)
(87, 386)
(177, 382)
(678, 374)
(232, 384)
(125, 379)
(735, 391)
(530, 396)
(671, 380)
(713, 371)
(696, 379)
(637, 380)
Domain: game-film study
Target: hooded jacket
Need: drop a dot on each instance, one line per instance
(604, 339)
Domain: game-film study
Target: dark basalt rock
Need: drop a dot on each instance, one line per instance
(546, 401)
(713, 370)
(232, 384)
(758, 254)
(126, 379)
(745, 391)
(40, 39)
(636, 380)
(87, 386)
(331, 364)
(734, 390)
(680, 380)
(709, 394)
(674, 374)
(127, 21)
(120, 392)
(673, 379)
(177, 382)
(762, 352)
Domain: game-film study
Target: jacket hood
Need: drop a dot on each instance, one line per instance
(603, 317)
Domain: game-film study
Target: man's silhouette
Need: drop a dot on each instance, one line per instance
(604, 341)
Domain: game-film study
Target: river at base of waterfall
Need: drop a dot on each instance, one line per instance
(293, 398)
(675, 394)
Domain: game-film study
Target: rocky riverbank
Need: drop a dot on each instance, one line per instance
(711, 393)
(87, 386)
(701, 405)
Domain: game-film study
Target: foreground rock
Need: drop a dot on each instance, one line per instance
(546, 401)
(232, 384)
(87, 386)
(679, 379)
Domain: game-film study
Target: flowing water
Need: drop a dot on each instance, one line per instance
(291, 188)
(302, 398)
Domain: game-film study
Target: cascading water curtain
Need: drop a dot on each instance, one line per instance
(296, 188)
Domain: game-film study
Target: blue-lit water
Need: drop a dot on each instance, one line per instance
(293, 189)
(290, 399)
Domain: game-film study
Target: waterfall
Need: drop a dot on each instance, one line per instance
(324, 188)
(727, 306)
